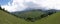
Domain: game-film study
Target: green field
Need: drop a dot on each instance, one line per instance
(6, 18)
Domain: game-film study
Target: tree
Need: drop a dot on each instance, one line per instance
(3, 9)
(30, 19)
(51, 12)
(0, 8)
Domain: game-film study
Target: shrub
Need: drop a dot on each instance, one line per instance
(43, 15)
(30, 19)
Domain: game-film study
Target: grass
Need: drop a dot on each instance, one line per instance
(52, 19)
(6, 18)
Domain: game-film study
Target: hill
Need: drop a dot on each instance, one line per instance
(52, 19)
(30, 15)
(34, 14)
(6, 18)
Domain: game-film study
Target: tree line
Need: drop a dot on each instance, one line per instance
(3, 9)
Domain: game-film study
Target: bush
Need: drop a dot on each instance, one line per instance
(30, 19)
(49, 13)
(44, 15)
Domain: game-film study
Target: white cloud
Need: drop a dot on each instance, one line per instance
(18, 5)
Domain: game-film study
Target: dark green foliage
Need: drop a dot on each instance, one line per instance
(36, 18)
(49, 12)
(0, 8)
(30, 19)
(44, 15)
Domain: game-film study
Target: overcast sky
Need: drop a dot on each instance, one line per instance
(19, 5)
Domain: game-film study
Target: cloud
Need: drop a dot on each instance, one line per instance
(19, 5)
(16, 5)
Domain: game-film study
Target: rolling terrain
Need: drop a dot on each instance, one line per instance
(6, 18)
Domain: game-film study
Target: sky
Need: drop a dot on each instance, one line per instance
(19, 5)
(4, 2)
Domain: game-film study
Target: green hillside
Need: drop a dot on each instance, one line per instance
(6, 18)
(52, 19)
(30, 14)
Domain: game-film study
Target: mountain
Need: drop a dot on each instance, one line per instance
(50, 19)
(28, 15)
(6, 18)
(18, 13)
(33, 14)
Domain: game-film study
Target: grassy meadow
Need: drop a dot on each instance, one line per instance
(6, 18)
